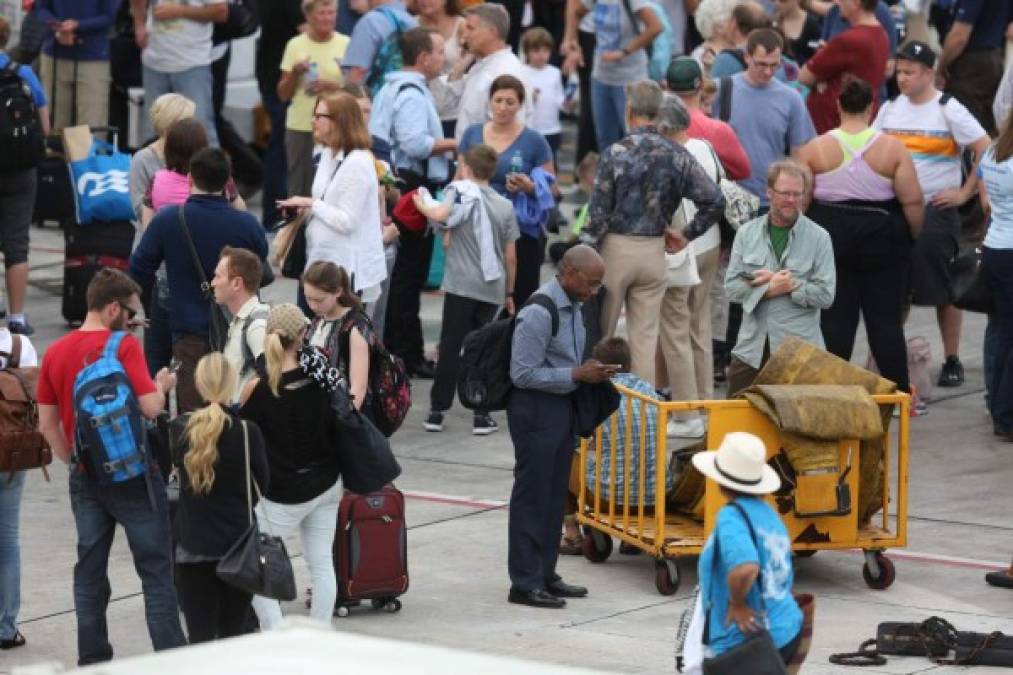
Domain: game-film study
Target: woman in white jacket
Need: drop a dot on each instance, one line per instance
(344, 225)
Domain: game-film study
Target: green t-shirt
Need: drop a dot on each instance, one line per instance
(779, 237)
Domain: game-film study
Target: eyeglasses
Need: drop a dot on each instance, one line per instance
(593, 285)
(325, 116)
(131, 312)
(788, 194)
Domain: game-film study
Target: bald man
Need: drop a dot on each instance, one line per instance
(546, 368)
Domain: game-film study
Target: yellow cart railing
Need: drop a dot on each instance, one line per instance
(665, 535)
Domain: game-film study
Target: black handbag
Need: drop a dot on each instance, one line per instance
(218, 324)
(258, 562)
(367, 462)
(970, 290)
(294, 263)
(757, 655)
(243, 21)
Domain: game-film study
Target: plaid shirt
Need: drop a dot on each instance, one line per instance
(638, 385)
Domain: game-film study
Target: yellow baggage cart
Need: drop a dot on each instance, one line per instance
(666, 535)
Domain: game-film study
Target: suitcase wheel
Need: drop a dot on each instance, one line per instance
(341, 611)
(391, 605)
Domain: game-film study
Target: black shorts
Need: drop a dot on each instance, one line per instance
(17, 202)
(932, 257)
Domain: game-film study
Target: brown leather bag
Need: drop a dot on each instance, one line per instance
(22, 445)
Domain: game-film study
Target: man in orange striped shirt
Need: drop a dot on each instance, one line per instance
(937, 129)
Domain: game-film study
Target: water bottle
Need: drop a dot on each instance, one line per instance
(516, 163)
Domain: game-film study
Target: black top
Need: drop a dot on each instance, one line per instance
(807, 43)
(279, 23)
(299, 429)
(209, 524)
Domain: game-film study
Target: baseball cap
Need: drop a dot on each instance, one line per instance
(919, 52)
(684, 75)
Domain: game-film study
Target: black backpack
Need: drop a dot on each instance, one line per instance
(483, 373)
(22, 145)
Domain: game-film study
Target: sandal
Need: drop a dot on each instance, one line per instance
(17, 641)
(571, 545)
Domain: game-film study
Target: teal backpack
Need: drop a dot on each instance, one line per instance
(388, 57)
(662, 48)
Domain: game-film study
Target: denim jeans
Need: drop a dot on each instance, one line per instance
(608, 107)
(315, 520)
(194, 83)
(275, 159)
(158, 336)
(10, 553)
(988, 358)
(997, 265)
(97, 510)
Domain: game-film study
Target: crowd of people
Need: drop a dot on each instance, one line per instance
(817, 166)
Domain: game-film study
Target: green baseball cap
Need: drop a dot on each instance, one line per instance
(684, 75)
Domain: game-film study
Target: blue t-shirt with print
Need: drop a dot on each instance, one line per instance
(784, 618)
(26, 74)
(531, 146)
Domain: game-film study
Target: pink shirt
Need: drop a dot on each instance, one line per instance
(724, 141)
(169, 189)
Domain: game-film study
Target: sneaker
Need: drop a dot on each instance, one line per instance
(952, 374)
(21, 328)
(691, 428)
(434, 422)
(484, 425)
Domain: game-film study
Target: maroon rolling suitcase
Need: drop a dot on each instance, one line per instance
(371, 550)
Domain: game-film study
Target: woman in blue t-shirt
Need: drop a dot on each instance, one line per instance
(521, 150)
(745, 569)
(996, 189)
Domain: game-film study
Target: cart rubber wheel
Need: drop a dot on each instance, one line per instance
(379, 603)
(887, 573)
(597, 547)
(341, 611)
(394, 605)
(666, 576)
(806, 554)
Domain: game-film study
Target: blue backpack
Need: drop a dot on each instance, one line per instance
(388, 56)
(110, 425)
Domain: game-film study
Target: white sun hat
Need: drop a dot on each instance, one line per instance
(739, 464)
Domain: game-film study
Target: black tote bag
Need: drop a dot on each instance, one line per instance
(367, 462)
(258, 562)
(970, 290)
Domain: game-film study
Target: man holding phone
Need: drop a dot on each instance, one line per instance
(782, 272)
(545, 368)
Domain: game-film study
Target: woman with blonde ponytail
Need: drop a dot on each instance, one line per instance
(209, 451)
(292, 405)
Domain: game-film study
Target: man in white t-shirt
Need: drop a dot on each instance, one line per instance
(236, 283)
(175, 39)
(485, 31)
(936, 129)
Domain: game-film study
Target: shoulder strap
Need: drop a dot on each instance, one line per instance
(113, 345)
(725, 99)
(244, 345)
(249, 478)
(408, 85)
(756, 545)
(545, 301)
(944, 99)
(633, 17)
(205, 287)
(14, 360)
(717, 163)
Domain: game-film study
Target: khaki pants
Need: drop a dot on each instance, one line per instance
(92, 94)
(635, 276)
(686, 334)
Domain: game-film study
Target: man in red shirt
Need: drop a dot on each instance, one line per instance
(113, 302)
(685, 79)
(861, 51)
